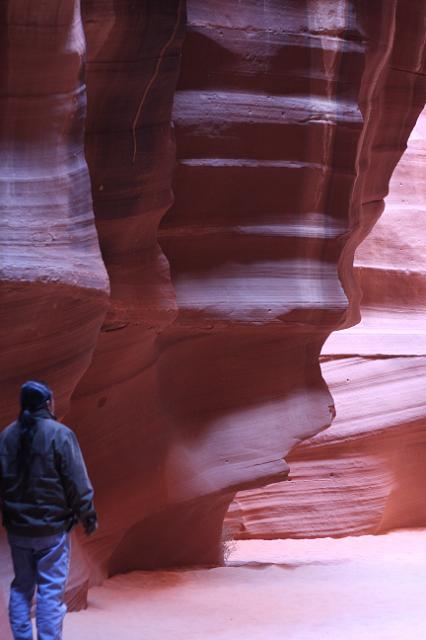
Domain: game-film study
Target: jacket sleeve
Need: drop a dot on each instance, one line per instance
(74, 477)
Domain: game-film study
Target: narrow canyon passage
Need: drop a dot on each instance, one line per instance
(183, 186)
(366, 473)
(364, 588)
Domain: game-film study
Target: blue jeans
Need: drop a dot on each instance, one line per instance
(41, 562)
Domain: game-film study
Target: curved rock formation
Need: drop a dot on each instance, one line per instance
(200, 384)
(366, 474)
(274, 188)
(133, 56)
(53, 282)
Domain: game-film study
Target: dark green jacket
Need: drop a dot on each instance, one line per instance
(58, 492)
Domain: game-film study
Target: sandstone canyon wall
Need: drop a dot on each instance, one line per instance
(53, 283)
(289, 120)
(366, 474)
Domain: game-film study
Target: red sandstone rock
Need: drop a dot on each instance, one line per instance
(274, 188)
(117, 409)
(53, 282)
(366, 474)
(280, 112)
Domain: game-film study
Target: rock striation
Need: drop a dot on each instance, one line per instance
(289, 119)
(284, 157)
(366, 473)
(133, 57)
(53, 282)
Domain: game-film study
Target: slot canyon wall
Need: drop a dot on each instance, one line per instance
(185, 357)
(366, 473)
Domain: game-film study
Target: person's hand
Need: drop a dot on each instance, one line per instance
(90, 526)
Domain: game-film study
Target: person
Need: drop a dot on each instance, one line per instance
(44, 491)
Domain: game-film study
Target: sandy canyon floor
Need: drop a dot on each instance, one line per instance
(369, 588)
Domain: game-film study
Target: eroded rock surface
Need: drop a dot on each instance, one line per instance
(284, 159)
(289, 120)
(133, 56)
(53, 282)
(366, 474)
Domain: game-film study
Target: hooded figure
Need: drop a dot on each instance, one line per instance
(44, 491)
(34, 396)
